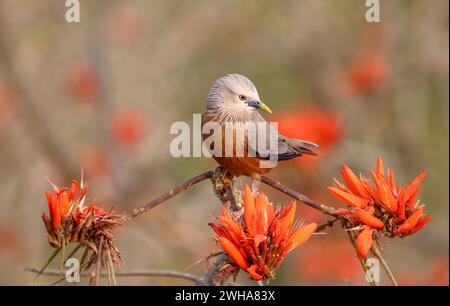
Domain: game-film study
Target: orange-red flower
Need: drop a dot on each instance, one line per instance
(128, 126)
(60, 202)
(381, 206)
(71, 220)
(258, 241)
(366, 74)
(312, 124)
(67, 211)
(84, 82)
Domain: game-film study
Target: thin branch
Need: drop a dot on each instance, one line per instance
(144, 272)
(49, 260)
(171, 193)
(98, 268)
(377, 253)
(310, 202)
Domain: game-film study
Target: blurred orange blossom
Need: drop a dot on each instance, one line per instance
(366, 74)
(128, 127)
(83, 82)
(310, 123)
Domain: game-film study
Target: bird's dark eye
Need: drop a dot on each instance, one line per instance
(242, 98)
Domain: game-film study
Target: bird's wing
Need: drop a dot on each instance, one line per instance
(287, 148)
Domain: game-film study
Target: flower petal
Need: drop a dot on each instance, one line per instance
(354, 183)
(368, 219)
(300, 236)
(413, 198)
(420, 224)
(261, 209)
(233, 252)
(56, 216)
(348, 197)
(74, 187)
(226, 212)
(252, 272)
(364, 242)
(410, 222)
(380, 166)
(413, 185)
(386, 195)
(392, 179)
(249, 210)
(217, 229)
(64, 203)
(287, 216)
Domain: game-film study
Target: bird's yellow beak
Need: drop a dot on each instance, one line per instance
(259, 105)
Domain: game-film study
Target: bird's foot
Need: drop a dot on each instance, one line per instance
(223, 182)
(256, 182)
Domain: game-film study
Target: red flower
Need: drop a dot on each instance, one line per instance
(128, 126)
(382, 206)
(366, 74)
(71, 221)
(84, 82)
(60, 202)
(67, 210)
(312, 124)
(258, 242)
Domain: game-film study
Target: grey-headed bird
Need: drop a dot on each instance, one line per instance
(233, 98)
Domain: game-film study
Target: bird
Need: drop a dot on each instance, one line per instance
(234, 98)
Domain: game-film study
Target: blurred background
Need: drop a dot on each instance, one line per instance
(100, 95)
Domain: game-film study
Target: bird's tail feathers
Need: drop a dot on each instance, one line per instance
(302, 146)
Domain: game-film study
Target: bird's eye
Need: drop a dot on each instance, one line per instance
(242, 98)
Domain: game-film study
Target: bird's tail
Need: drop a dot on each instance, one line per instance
(302, 146)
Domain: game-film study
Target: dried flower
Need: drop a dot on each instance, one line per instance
(382, 206)
(71, 221)
(258, 241)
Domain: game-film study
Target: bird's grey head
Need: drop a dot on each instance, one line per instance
(234, 95)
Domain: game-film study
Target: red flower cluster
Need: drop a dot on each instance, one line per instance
(67, 210)
(258, 242)
(384, 206)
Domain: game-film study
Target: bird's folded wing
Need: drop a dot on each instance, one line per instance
(285, 148)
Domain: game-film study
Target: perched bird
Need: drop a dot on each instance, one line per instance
(233, 98)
